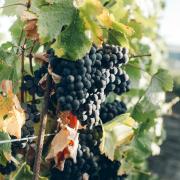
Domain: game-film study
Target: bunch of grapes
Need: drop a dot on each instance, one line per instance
(8, 168)
(31, 83)
(32, 116)
(89, 158)
(82, 89)
(86, 163)
(109, 111)
(84, 84)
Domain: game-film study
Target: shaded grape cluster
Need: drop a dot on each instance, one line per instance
(84, 84)
(91, 137)
(108, 170)
(86, 163)
(31, 83)
(8, 168)
(89, 158)
(32, 116)
(109, 111)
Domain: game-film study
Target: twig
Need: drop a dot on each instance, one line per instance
(31, 66)
(19, 43)
(22, 71)
(140, 55)
(15, 4)
(43, 121)
(31, 56)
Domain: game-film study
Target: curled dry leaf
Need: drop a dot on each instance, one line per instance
(65, 143)
(63, 146)
(56, 78)
(41, 57)
(12, 116)
(43, 81)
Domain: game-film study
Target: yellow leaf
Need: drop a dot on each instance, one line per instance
(105, 18)
(117, 133)
(12, 116)
(7, 155)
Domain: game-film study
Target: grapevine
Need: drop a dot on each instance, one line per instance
(72, 103)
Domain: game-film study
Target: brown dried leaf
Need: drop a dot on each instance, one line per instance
(31, 30)
(12, 116)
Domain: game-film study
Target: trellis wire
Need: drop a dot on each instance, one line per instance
(24, 139)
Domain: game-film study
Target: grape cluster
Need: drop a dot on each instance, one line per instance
(31, 83)
(32, 116)
(89, 160)
(8, 168)
(109, 111)
(86, 163)
(85, 83)
(108, 169)
(91, 137)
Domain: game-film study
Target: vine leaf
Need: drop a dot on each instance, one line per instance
(135, 153)
(154, 95)
(25, 173)
(52, 18)
(116, 37)
(15, 9)
(15, 30)
(73, 42)
(97, 16)
(8, 67)
(12, 116)
(117, 132)
(5, 149)
(133, 69)
(163, 79)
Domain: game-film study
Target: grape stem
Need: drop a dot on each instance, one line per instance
(31, 56)
(19, 43)
(30, 63)
(15, 4)
(43, 121)
(139, 56)
(22, 70)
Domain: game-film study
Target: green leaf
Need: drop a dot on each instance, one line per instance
(73, 44)
(117, 38)
(5, 148)
(116, 133)
(163, 79)
(127, 30)
(140, 148)
(15, 7)
(154, 95)
(16, 30)
(8, 67)
(133, 69)
(25, 173)
(6, 45)
(53, 17)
